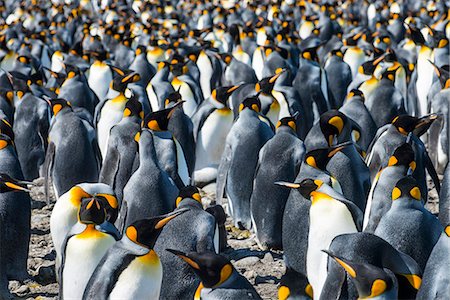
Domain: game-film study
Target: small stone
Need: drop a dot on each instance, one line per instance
(250, 274)
(268, 258)
(22, 290)
(247, 261)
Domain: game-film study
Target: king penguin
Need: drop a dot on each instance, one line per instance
(109, 112)
(15, 207)
(148, 179)
(239, 161)
(64, 213)
(83, 248)
(179, 280)
(367, 248)
(330, 215)
(435, 277)
(379, 199)
(279, 160)
(212, 123)
(122, 148)
(219, 279)
(408, 225)
(131, 269)
(72, 156)
(100, 75)
(370, 281)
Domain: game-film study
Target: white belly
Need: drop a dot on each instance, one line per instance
(328, 219)
(152, 97)
(211, 139)
(138, 281)
(206, 72)
(82, 257)
(424, 79)
(354, 57)
(258, 63)
(182, 164)
(63, 217)
(110, 115)
(190, 106)
(99, 79)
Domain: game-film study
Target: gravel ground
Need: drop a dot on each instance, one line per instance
(262, 268)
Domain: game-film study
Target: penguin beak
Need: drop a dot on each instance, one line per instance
(164, 219)
(185, 257)
(350, 270)
(288, 184)
(275, 77)
(17, 186)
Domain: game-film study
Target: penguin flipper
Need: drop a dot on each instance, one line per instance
(97, 112)
(110, 168)
(120, 222)
(432, 171)
(222, 173)
(48, 166)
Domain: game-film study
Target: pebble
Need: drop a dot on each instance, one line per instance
(246, 261)
(268, 258)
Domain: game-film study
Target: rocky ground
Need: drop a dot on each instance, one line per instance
(262, 268)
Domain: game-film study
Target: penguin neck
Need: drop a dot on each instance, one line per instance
(120, 98)
(407, 202)
(91, 232)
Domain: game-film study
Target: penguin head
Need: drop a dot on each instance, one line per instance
(213, 269)
(111, 205)
(368, 67)
(59, 104)
(355, 93)
(389, 74)
(337, 52)
(8, 184)
(188, 192)
(159, 120)
(414, 34)
(226, 58)
(319, 158)
(172, 99)
(443, 75)
(221, 94)
(8, 95)
(406, 124)
(92, 211)
(252, 103)
(133, 108)
(121, 81)
(310, 54)
(71, 71)
(370, 281)
(288, 122)
(145, 232)
(5, 140)
(265, 86)
(140, 49)
(332, 124)
(403, 156)
(179, 68)
(306, 187)
(406, 187)
(19, 83)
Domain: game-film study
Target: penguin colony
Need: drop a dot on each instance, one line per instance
(319, 123)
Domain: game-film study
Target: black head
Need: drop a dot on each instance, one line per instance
(222, 93)
(71, 70)
(8, 95)
(443, 74)
(213, 269)
(172, 98)
(189, 192)
(369, 67)
(405, 123)
(403, 156)
(140, 49)
(145, 232)
(356, 93)
(92, 211)
(389, 74)
(111, 205)
(306, 187)
(252, 103)
(406, 187)
(310, 54)
(5, 141)
(332, 123)
(59, 104)
(133, 108)
(226, 58)
(159, 120)
(8, 184)
(265, 85)
(370, 281)
(120, 82)
(289, 122)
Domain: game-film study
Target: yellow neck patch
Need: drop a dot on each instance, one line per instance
(91, 233)
(414, 280)
(3, 144)
(151, 258)
(378, 287)
(283, 293)
(318, 196)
